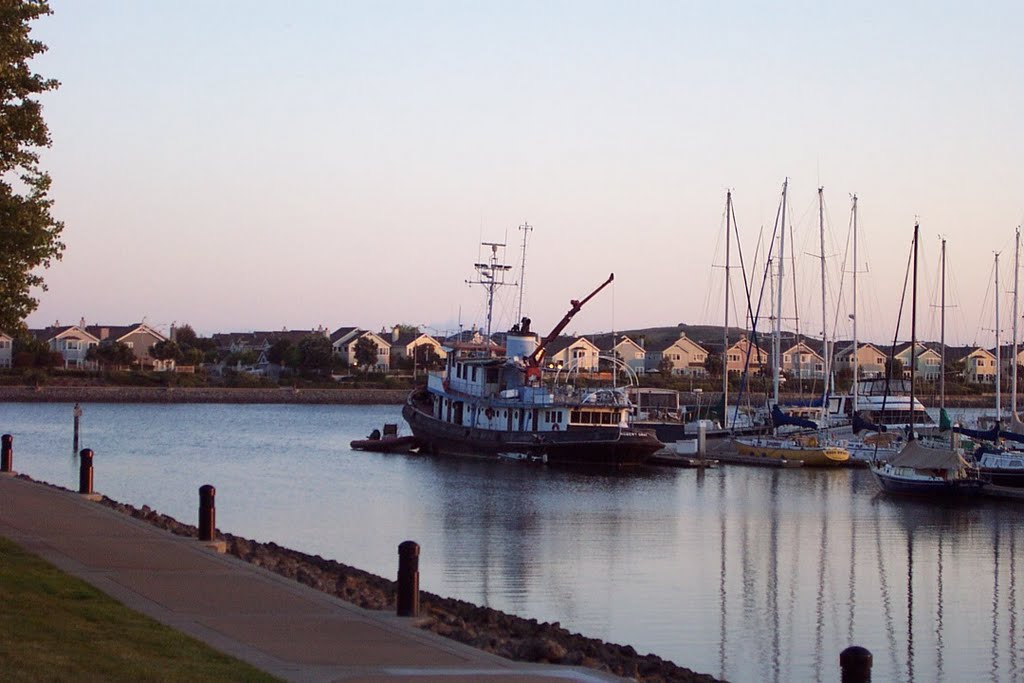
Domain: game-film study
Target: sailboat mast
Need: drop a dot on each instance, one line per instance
(913, 339)
(1016, 278)
(824, 313)
(777, 337)
(942, 334)
(526, 228)
(999, 367)
(725, 327)
(855, 368)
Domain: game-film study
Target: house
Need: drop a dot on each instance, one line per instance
(929, 362)
(140, 338)
(800, 361)
(980, 367)
(572, 353)
(405, 344)
(6, 350)
(344, 340)
(686, 356)
(629, 352)
(870, 360)
(744, 355)
(72, 342)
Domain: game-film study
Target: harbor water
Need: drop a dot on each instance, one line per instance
(747, 574)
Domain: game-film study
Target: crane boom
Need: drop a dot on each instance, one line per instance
(538, 353)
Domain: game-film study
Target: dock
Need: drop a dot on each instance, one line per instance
(737, 459)
(667, 458)
(1003, 492)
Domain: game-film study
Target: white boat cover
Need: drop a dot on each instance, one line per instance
(920, 457)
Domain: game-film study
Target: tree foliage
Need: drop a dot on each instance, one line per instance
(365, 353)
(315, 353)
(29, 234)
(112, 354)
(166, 350)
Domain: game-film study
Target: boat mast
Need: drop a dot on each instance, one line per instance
(999, 369)
(942, 334)
(824, 313)
(855, 388)
(725, 327)
(526, 228)
(777, 336)
(491, 275)
(1016, 272)
(913, 338)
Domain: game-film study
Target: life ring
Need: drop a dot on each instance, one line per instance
(489, 413)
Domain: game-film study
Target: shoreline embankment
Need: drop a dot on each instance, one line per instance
(121, 394)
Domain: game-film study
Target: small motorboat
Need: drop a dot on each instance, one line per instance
(388, 442)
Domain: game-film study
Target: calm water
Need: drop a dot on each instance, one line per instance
(747, 574)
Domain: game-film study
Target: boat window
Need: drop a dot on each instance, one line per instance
(492, 375)
(474, 373)
(574, 416)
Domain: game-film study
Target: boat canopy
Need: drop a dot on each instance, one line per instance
(780, 419)
(920, 457)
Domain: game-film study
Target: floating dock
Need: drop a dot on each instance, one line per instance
(733, 458)
(667, 458)
(1003, 492)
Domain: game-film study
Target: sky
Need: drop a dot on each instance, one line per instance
(265, 165)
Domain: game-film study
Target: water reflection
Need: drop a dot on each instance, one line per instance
(748, 574)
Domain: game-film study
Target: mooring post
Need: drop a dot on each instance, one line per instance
(85, 471)
(6, 453)
(207, 513)
(408, 579)
(855, 663)
(77, 412)
(702, 443)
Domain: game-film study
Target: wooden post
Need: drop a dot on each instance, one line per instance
(702, 444)
(207, 513)
(408, 579)
(855, 662)
(85, 472)
(77, 412)
(6, 452)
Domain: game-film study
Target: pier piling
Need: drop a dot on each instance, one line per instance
(6, 453)
(855, 662)
(77, 412)
(207, 512)
(85, 471)
(408, 579)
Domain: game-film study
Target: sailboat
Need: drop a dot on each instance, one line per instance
(934, 472)
(1001, 465)
(807, 448)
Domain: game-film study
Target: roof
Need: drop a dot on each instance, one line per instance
(117, 332)
(67, 331)
(343, 333)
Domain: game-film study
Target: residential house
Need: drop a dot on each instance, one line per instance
(572, 353)
(980, 367)
(686, 356)
(72, 342)
(405, 344)
(344, 340)
(870, 360)
(622, 347)
(140, 338)
(800, 361)
(745, 356)
(6, 350)
(929, 362)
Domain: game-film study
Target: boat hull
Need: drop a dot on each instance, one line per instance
(1001, 476)
(398, 444)
(597, 447)
(928, 487)
(810, 456)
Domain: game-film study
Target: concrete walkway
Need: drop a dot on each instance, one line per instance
(283, 627)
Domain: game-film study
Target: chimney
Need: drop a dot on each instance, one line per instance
(81, 323)
(395, 332)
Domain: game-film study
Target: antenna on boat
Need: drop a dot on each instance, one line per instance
(527, 229)
(490, 275)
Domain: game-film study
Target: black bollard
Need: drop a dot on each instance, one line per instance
(855, 662)
(6, 452)
(85, 471)
(207, 513)
(408, 579)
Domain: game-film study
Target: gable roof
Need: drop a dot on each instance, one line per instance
(62, 332)
(119, 332)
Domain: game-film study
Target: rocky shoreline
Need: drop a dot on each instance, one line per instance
(481, 627)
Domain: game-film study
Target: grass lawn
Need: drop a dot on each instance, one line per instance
(54, 627)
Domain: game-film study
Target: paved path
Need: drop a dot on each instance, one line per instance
(283, 627)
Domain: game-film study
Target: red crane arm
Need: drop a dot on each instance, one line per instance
(538, 353)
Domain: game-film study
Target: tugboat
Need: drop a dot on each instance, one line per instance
(491, 401)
